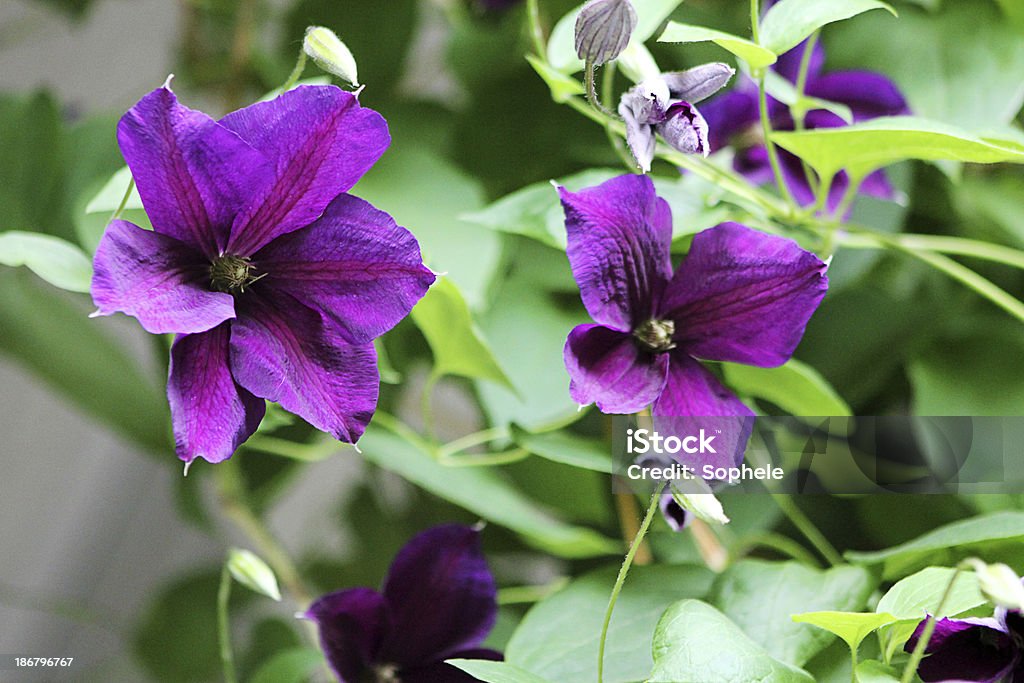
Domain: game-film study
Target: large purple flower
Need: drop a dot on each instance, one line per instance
(985, 650)
(438, 602)
(734, 120)
(274, 279)
(740, 295)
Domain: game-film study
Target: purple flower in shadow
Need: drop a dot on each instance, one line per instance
(274, 279)
(734, 120)
(438, 602)
(739, 295)
(985, 650)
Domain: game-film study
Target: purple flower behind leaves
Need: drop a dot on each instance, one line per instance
(740, 296)
(984, 650)
(734, 120)
(438, 602)
(275, 280)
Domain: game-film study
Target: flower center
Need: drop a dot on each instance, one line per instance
(232, 274)
(386, 673)
(655, 336)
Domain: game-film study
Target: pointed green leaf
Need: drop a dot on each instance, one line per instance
(852, 627)
(753, 54)
(563, 88)
(495, 672)
(788, 22)
(795, 387)
(60, 263)
(568, 449)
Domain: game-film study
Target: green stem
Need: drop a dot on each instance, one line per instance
(773, 153)
(485, 459)
(853, 665)
(986, 288)
(124, 201)
(926, 634)
(607, 90)
(864, 238)
(800, 114)
(536, 30)
(595, 102)
(755, 21)
(804, 524)
(227, 659)
(293, 77)
(780, 544)
(621, 579)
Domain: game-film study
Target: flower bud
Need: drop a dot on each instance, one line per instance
(324, 47)
(603, 28)
(999, 584)
(698, 83)
(694, 495)
(685, 129)
(253, 573)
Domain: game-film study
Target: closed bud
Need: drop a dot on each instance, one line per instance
(685, 129)
(603, 28)
(253, 573)
(695, 496)
(999, 584)
(324, 47)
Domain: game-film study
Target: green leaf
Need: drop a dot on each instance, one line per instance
(695, 643)
(788, 22)
(872, 671)
(563, 87)
(50, 333)
(761, 596)
(795, 387)
(294, 665)
(458, 346)
(253, 573)
(753, 54)
(60, 263)
(109, 198)
(484, 492)
(998, 537)
(558, 637)
(651, 14)
(495, 672)
(852, 627)
(910, 599)
(569, 449)
(866, 147)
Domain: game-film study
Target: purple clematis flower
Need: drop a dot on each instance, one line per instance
(739, 295)
(438, 602)
(734, 120)
(985, 650)
(274, 279)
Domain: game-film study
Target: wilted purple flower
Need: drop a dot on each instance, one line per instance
(438, 602)
(739, 295)
(734, 120)
(985, 650)
(275, 281)
(603, 29)
(664, 105)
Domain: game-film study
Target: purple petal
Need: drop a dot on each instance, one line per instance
(607, 368)
(965, 650)
(619, 259)
(744, 296)
(352, 624)
(353, 265)
(673, 513)
(796, 180)
(285, 352)
(640, 138)
(685, 129)
(867, 94)
(440, 596)
(788, 64)
(160, 281)
(729, 115)
(193, 174)
(211, 414)
(321, 142)
(754, 165)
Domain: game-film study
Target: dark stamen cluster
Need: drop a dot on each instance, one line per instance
(232, 274)
(655, 336)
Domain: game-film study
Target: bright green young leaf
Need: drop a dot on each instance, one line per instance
(558, 637)
(562, 47)
(795, 387)
(852, 627)
(866, 147)
(484, 492)
(495, 672)
(997, 537)
(910, 599)
(695, 643)
(752, 53)
(60, 263)
(563, 88)
(788, 22)
(294, 665)
(253, 573)
(761, 596)
(568, 449)
(458, 346)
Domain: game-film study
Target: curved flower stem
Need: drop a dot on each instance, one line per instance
(865, 238)
(227, 658)
(773, 152)
(124, 202)
(804, 524)
(621, 579)
(293, 77)
(799, 114)
(536, 30)
(595, 101)
(926, 634)
(607, 90)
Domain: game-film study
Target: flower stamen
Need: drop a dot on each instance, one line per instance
(232, 274)
(655, 336)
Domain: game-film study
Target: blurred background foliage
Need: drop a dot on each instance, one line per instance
(472, 122)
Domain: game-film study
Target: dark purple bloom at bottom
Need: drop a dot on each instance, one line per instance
(973, 650)
(438, 602)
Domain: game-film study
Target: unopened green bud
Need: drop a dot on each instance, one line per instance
(325, 48)
(603, 28)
